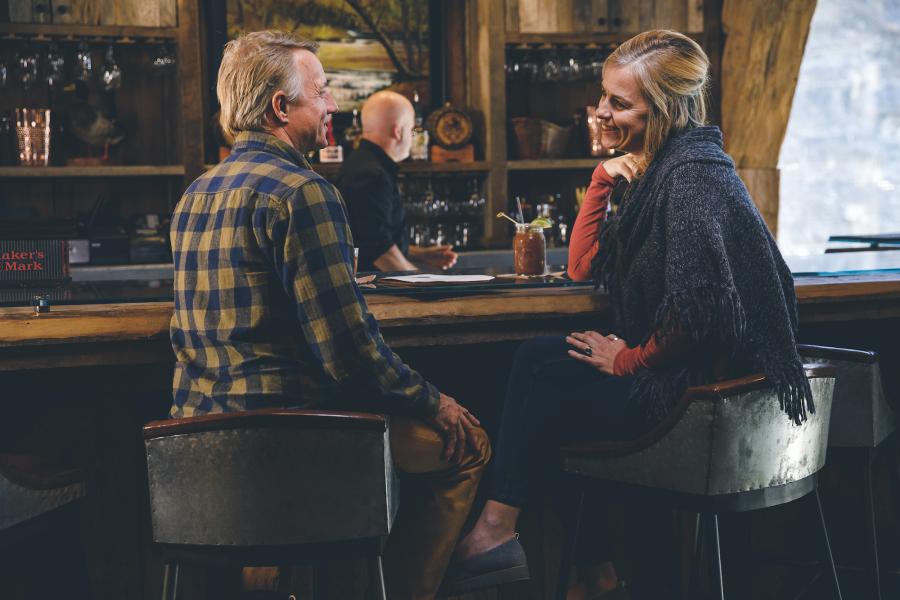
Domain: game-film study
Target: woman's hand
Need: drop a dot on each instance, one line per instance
(622, 166)
(596, 350)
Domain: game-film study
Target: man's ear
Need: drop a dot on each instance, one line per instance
(279, 107)
(397, 132)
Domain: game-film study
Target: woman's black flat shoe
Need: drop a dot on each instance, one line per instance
(504, 564)
(620, 592)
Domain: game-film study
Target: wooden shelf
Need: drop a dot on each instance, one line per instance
(38, 31)
(331, 169)
(101, 171)
(577, 39)
(553, 164)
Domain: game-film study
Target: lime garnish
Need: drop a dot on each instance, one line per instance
(541, 223)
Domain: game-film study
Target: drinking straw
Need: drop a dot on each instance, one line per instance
(506, 216)
(521, 215)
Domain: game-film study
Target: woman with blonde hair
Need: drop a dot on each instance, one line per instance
(698, 292)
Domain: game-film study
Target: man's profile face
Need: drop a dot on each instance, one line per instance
(405, 124)
(308, 116)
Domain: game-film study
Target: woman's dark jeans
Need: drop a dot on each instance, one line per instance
(551, 400)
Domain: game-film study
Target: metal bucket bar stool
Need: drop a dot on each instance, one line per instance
(726, 447)
(862, 420)
(270, 487)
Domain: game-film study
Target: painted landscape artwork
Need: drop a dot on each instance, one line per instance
(365, 45)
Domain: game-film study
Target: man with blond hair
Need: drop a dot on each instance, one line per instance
(268, 312)
(368, 183)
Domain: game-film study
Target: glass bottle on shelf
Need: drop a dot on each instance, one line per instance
(419, 148)
(352, 134)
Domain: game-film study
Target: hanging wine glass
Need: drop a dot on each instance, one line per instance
(28, 68)
(55, 63)
(111, 75)
(84, 64)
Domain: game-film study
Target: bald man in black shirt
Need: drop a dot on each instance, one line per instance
(368, 183)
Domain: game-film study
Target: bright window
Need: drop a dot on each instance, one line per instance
(840, 161)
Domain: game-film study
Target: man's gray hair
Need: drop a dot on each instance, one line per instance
(254, 67)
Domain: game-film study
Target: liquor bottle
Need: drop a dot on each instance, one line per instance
(419, 148)
(352, 134)
(332, 153)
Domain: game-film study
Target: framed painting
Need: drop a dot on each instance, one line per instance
(365, 45)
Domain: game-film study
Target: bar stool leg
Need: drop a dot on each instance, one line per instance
(872, 526)
(166, 573)
(376, 572)
(170, 581)
(570, 542)
(717, 556)
(834, 576)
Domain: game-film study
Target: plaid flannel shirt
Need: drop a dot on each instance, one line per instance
(267, 310)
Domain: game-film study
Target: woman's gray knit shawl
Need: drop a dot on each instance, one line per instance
(690, 255)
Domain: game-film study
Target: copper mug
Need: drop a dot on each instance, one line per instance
(33, 136)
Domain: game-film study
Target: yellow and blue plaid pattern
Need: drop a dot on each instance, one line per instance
(267, 310)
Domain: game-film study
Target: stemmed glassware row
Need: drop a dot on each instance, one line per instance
(32, 67)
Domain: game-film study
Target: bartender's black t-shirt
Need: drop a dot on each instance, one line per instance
(368, 183)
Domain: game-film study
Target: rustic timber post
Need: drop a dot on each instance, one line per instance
(764, 43)
(190, 76)
(487, 89)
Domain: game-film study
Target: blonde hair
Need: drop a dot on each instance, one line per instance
(672, 72)
(254, 67)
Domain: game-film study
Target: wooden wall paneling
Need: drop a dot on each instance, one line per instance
(764, 43)
(641, 18)
(694, 16)
(600, 16)
(168, 13)
(20, 11)
(538, 16)
(40, 11)
(110, 13)
(625, 15)
(582, 16)
(565, 20)
(487, 97)
(141, 13)
(190, 65)
(83, 12)
(670, 14)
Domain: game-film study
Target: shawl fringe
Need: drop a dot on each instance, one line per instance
(702, 314)
(787, 376)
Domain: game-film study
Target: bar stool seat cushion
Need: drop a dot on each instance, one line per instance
(31, 486)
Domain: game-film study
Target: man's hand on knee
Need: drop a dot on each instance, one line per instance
(457, 425)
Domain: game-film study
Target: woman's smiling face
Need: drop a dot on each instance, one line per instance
(622, 111)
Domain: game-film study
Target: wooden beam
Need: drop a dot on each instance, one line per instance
(764, 43)
(487, 97)
(190, 76)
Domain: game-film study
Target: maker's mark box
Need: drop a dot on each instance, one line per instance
(25, 262)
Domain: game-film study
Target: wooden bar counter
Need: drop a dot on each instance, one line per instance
(137, 333)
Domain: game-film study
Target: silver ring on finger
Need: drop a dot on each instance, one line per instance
(588, 351)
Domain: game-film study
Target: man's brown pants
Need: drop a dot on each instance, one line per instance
(433, 511)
